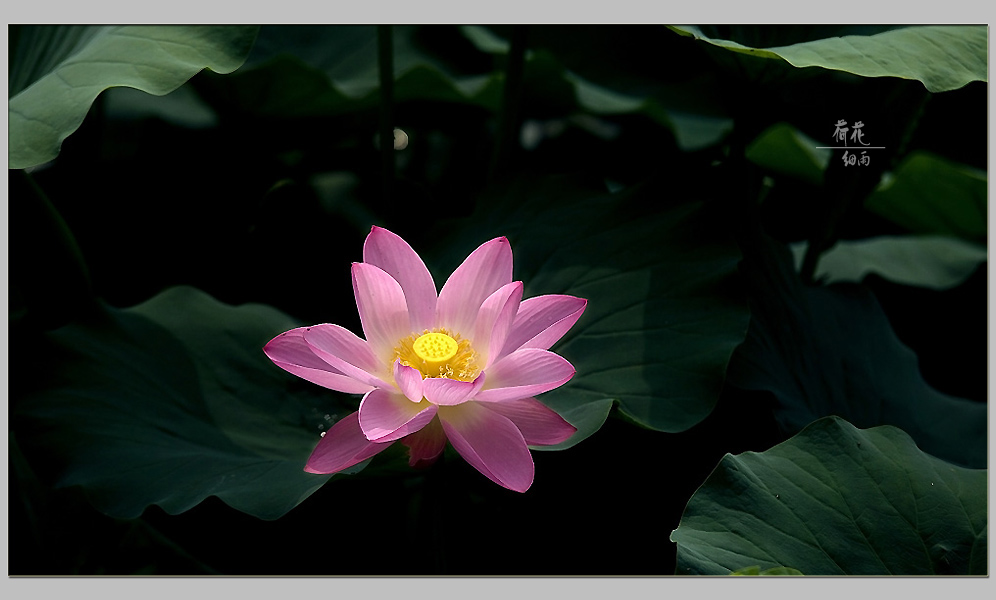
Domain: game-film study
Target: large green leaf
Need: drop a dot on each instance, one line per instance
(57, 72)
(928, 194)
(170, 402)
(663, 315)
(942, 57)
(931, 261)
(831, 351)
(755, 570)
(837, 500)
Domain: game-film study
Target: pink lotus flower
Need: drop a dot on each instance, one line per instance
(464, 366)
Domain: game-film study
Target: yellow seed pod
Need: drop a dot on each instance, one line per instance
(435, 348)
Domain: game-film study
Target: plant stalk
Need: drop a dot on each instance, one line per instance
(508, 118)
(385, 61)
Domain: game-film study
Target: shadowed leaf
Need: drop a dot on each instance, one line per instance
(931, 261)
(784, 149)
(831, 351)
(170, 402)
(663, 314)
(927, 194)
(837, 500)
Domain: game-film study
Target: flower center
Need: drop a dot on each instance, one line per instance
(435, 348)
(439, 353)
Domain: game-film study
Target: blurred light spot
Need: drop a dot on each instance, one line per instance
(400, 139)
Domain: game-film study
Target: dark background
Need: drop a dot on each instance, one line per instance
(153, 204)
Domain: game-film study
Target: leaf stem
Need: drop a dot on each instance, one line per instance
(385, 61)
(508, 118)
